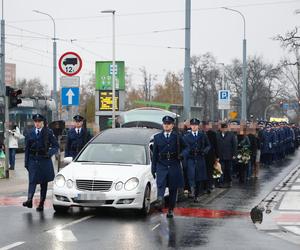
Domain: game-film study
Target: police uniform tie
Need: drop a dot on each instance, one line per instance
(195, 134)
(167, 135)
(78, 132)
(38, 132)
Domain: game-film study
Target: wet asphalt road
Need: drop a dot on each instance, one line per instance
(220, 221)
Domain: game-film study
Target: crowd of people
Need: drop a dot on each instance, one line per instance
(233, 151)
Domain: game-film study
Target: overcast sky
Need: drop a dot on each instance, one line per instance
(149, 33)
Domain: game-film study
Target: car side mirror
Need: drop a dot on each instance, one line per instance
(68, 160)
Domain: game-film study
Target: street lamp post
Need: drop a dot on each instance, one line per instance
(113, 66)
(54, 63)
(244, 86)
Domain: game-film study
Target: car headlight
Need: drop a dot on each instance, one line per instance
(69, 183)
(60, 180)
(119, 186)
(131, 184)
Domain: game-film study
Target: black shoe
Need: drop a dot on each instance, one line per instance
(170, 214)
(11, 168)
(40, 207)
(27, 203)
(159, 204)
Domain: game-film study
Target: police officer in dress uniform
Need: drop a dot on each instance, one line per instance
(197, 147)
(268, 144)
(166, 165)
(40, 146)
(77, 137)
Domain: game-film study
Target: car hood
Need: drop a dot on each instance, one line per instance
(99, 171)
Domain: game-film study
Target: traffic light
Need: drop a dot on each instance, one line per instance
(13, 96)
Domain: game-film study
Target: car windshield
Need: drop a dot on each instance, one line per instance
(114, 153)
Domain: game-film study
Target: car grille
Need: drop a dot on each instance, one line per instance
(93, 185)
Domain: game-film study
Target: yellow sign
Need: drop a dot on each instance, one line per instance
(233, 114)
(105, 103)
(279, 119)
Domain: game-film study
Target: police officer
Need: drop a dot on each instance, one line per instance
(40, 146)
(268, 144)
(77, 137)
(166, 165)
(197, 147)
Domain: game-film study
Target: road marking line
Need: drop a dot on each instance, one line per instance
(155, 227)
(60, 227)
(64, 235)
(12, 245)
(293, 229)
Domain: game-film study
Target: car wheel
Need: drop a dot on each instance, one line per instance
(147, 202)
(60, 209)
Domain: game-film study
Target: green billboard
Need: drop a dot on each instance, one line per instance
(104, 72)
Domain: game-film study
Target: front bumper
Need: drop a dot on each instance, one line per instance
(115, 199)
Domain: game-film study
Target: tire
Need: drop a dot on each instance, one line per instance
(60, 209)
(146, 202)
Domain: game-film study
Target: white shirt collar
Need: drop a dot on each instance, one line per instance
(169, 133)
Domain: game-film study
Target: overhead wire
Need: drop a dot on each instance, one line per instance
(246, 5)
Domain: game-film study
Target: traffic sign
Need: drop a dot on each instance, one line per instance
(70, 96)
(69, 81)
(104, 73)
(70, 63)
(224, 99)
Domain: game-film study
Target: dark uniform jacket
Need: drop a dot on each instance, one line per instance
(165, 162)
(76, 142)
(38, 153)
(196, 149)
(227, 145)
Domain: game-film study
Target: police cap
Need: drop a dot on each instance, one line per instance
(38, 117)
(168, 119)
(194, 121)
(78, 118)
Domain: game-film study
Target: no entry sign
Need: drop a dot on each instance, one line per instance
(70, 63)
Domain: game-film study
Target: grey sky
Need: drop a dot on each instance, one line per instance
(29, 43)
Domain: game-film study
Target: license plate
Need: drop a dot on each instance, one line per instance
(91, 197)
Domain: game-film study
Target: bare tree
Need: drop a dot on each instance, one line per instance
(170, 91)
(206, 81)
(31, 88)
(263, 84)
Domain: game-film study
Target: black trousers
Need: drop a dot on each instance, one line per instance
(32, 187)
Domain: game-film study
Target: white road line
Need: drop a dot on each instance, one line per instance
(155, 227)
(60, 227)
(64, 235)
(293, 229)
(12, 245)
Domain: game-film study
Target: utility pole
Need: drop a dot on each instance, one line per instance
(3, 93)
(187, 66)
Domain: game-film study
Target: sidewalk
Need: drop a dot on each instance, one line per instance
(17, 183)
(281, 215)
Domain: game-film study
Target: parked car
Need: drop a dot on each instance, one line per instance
(112, 170)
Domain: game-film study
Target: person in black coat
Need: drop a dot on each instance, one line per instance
(40, 146)
(77, 138)
(254, 148)
(226, 152)
(166, 163)
(197, 146)
(211, 156)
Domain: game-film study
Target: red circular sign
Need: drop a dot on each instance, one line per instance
(70, 63)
